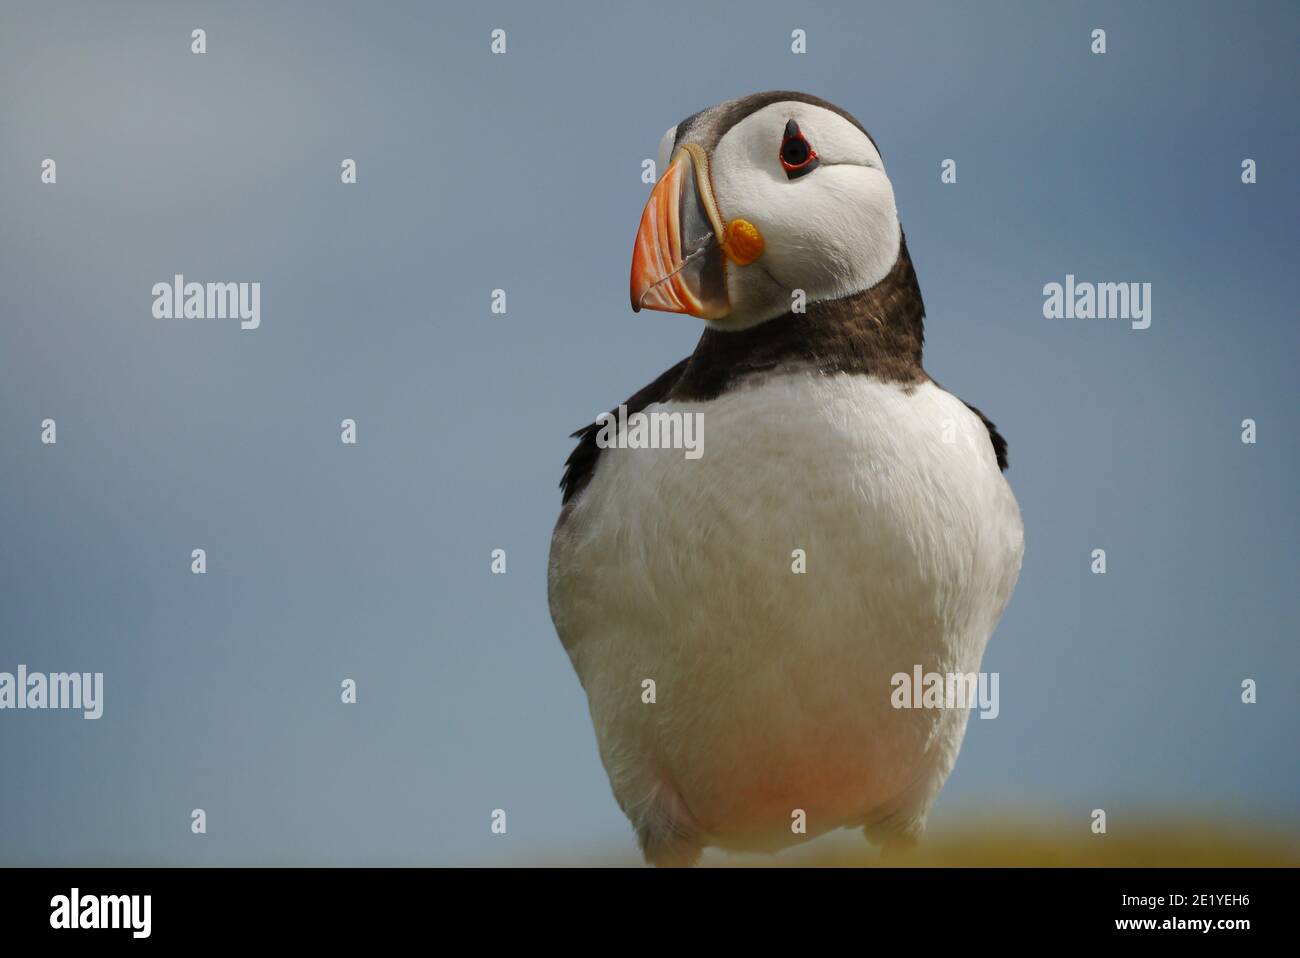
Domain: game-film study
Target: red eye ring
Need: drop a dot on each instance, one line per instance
(797, 156)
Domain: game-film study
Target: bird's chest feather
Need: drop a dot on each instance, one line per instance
(833, 531)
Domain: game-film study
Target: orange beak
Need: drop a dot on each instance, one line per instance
(678, 264)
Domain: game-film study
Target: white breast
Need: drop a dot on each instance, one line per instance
(773, 688)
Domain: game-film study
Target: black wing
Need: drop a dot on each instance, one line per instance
(999, 444)
(581, 464)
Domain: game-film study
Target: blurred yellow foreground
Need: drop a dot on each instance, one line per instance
(1028, 842)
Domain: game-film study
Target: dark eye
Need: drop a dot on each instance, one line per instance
(797, 155)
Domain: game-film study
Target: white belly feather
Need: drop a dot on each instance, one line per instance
(773, 688)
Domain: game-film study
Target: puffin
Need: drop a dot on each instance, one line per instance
(739, 619)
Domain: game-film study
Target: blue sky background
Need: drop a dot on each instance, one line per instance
(523, 172)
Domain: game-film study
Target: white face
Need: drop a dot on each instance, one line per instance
(831, 232)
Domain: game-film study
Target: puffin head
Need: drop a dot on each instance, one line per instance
(757, 198)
